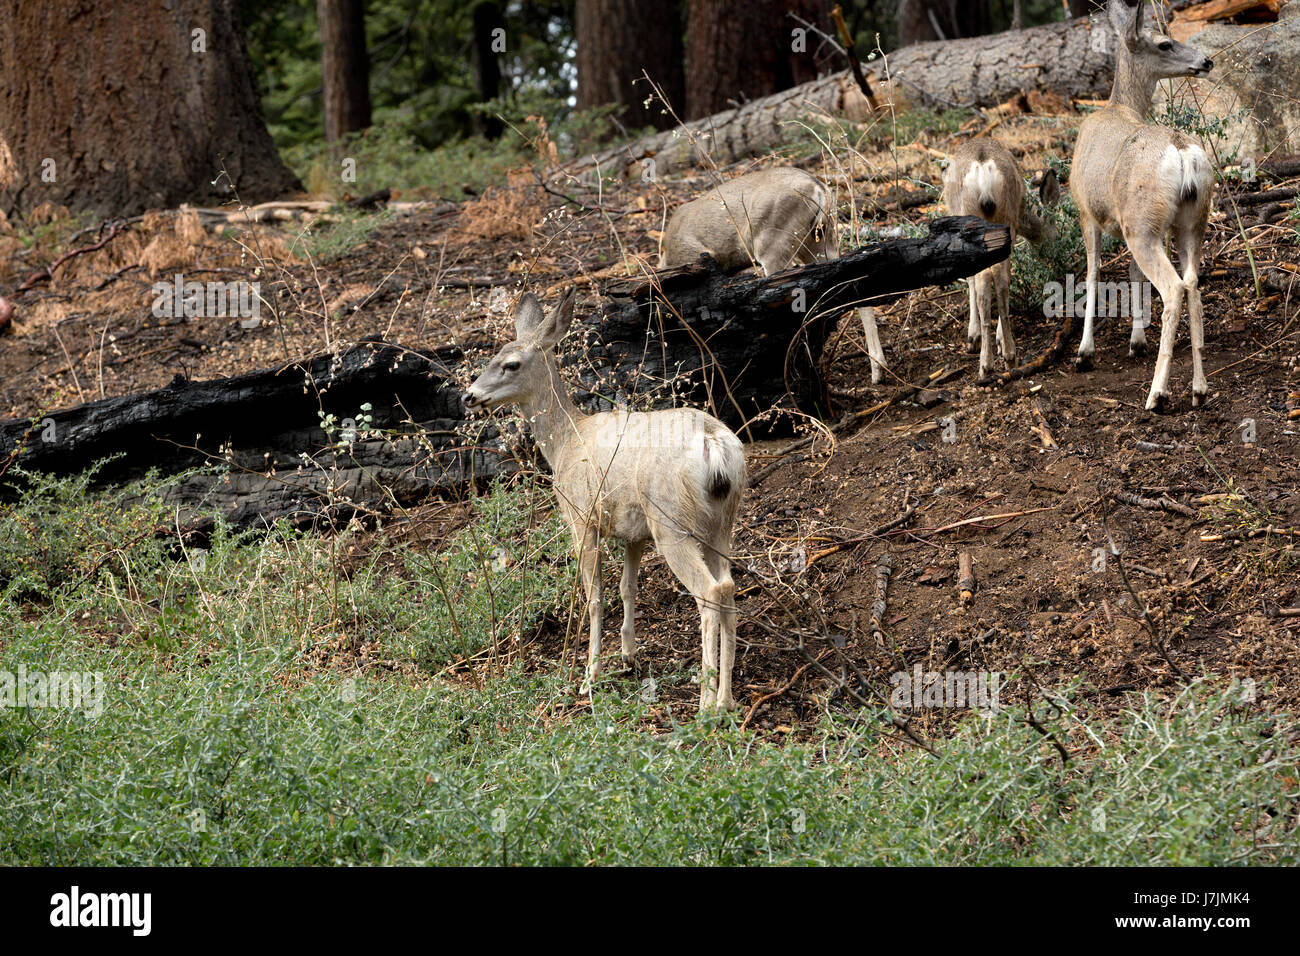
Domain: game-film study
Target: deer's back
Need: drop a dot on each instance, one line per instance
(622, 466)
(1124, 171)
(725, 221)
(979, 171)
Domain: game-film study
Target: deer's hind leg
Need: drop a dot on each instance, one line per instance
(1006, 339)
(1149, 253)
(1189, 255)
(627, 590)
(686, 560)
(1092, 243)
(589, 570)
(717, 557)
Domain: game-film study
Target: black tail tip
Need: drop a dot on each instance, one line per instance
(719, 486)
(1190, 193)
(988, 207)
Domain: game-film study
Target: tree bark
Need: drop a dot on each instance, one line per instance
(981, 71)
(742, 50)
(617, 41)
(345, 67)
(487, 69)
(734, 345)
(111, 111)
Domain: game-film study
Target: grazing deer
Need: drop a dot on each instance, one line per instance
(774, 217)
(983, 180)
(1148, 184)
(674, 477)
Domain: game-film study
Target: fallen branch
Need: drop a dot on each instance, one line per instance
(1007, 516)
(1054, 353)
(965, 577)
(1242, 534)
(1163, 503)
(884, 568)
(753, 708)
(869, 536)
(47, 274)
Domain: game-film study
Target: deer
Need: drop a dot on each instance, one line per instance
(672, 477)
(1149, 185)
(772, 218)
(984, 180)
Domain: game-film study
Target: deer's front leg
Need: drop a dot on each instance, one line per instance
(627, 590)
(1006, 338)
(589, 567)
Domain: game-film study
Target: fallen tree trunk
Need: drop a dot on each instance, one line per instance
(1072, 58)
(740, 345)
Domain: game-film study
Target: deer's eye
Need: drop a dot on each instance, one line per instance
(511, 366)
(1166, 45)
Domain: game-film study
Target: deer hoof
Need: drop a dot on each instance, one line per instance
(1158, 402)
(972, 346)
(1083, 363)
(1198, 399)
(1137, 349)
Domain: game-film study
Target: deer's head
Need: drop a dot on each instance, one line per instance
(518, 372)
(1155, 53)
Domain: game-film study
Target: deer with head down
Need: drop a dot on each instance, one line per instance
(1150, 185)
(772, 218)
(983, 180)
(672, 477)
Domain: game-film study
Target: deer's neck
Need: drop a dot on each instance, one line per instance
(1133, 88)
(553, 416)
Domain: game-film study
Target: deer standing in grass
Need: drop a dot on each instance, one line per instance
(774, 218)
(674, 477)
(1148, 184)
(983, 180)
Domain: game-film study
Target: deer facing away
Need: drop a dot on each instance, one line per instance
(1148, 184)
(673, 477)
(983, 180)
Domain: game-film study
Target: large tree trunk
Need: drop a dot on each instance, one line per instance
(488, 29)
(742, 50)
(617, 41)
(981, 71)
(344, 67)
(741, 345)
(106, 108)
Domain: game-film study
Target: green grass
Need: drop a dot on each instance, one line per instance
(236, 729)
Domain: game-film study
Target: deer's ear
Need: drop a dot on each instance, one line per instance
(557, 323)
(1049, 191)
(1126, 18)
(528, 317)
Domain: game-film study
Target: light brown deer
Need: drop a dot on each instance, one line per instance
(1150, 185)
(773, 218)
(674, 477)
(983, 180)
